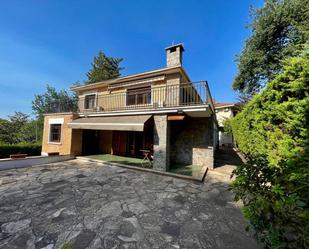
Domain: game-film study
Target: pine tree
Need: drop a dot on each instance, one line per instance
(103, 68)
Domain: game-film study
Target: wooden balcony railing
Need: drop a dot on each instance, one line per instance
(154, 97)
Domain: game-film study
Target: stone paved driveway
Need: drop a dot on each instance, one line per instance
(89, 205)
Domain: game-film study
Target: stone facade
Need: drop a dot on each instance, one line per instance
(192, 142)
(174, 56)
(161, 143)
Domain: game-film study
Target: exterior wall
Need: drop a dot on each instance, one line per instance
(158, 93)
(223, 114)
(192, 142)
(77, 142)
(173, 94)
(225, 139)
(174, 58)
(105, 99)
(161, 138)
(116, 99)
(70, 140)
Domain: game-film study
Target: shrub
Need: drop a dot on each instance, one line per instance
(272, 132)
(227, 126)
(31, 149)
(66, 246)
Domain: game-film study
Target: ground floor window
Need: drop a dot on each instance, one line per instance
(55, 133)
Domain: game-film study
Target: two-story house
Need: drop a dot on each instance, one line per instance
(160, 110)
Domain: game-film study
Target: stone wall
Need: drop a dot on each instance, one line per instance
(192, 142)
(174, 58)
(161, 143)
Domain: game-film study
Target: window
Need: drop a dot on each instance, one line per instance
(55, 133)
(90, 101)
(139, 96)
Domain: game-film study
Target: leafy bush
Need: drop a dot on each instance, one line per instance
(66, 246)
(272, 132)
(227, 126)
(31, 149)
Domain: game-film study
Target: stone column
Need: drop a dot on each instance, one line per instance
(161, 143)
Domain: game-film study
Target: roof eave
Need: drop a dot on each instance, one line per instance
(128, 78)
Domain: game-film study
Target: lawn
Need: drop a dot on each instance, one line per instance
(189, 170)
(118, 159)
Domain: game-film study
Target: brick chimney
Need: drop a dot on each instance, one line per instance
(174, 55)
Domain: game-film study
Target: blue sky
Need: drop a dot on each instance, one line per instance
(53, 42)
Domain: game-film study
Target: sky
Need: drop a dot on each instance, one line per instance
(54, 42)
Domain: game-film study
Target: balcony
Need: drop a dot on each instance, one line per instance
(148, 98)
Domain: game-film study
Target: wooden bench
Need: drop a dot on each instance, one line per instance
(18, 156)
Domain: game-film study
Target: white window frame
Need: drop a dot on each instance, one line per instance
(95, 100)
(55, 121)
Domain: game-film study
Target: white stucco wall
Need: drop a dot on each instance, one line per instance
(223, 114)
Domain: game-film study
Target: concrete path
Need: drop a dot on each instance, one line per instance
(89, 205)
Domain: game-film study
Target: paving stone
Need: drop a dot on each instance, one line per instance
(172, 229)
(92, 205)
(83, 240)
(15, 226)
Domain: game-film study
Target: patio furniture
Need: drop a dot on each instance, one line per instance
(147, 158)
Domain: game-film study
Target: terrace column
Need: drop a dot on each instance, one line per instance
(161, 143)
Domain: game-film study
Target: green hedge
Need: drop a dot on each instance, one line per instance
(272, 132)
(31, 149)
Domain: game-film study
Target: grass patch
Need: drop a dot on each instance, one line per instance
(185, 169)
(118, 159)
(66, 246)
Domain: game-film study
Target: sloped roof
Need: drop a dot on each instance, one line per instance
(219, 105)
(132, 77)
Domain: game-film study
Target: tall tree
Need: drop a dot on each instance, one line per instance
(17, 128)
(279, 29)
(49, 102)
(54, 101)
(103, 68)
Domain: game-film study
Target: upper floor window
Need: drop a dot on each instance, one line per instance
(90, 101)
(55, 133)
(139, 96)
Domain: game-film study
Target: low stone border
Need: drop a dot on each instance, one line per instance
(242, 157)
(30, 161)
(199, 178)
